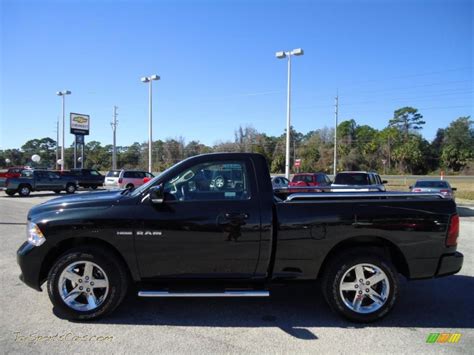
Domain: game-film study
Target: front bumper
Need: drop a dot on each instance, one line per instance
(30, 258)
(447, 264)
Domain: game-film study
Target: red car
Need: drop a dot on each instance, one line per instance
(302, 180)
(13, 172)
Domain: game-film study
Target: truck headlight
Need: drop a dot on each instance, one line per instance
(34, 235)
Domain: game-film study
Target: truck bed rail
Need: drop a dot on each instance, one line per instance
(362, 195)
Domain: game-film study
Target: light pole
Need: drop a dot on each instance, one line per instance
(281, 55)
(149, 80)
(63, 95)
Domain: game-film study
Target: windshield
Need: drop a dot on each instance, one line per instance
(433, 184)
(351, 179)
(113, 173)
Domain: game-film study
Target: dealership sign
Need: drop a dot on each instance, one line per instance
(80, 124)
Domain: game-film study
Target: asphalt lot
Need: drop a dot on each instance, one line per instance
(295, 319)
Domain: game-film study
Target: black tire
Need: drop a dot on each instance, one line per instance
(130, 186)
(57, 191)
(24, 190)
(10, 192)
(70, 188)
(337, 269)
(113, 268)
(93, 187)
(219, 182)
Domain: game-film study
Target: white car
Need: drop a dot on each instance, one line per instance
(128, 179)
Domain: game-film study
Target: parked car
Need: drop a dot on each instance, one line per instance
(362, 181)
(40, 180)
(280, 182)
(14, 171)
(182, 235)
(128, 179)
(86, 177)
(300, 181)
(438, 186)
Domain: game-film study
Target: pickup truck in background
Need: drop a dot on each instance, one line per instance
(86, 177)
(13, 172)
(39, 180)
(211, 226)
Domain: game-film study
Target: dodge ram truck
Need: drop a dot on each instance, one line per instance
(211, 226)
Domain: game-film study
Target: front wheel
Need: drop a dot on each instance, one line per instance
(87, 283)
(93, 187)
(362, 287)
(70, 188)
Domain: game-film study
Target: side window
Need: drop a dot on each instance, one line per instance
(94, 172)
(128, 174)
(211, 181)
(371, 179)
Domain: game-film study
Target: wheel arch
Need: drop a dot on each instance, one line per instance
(369, 243)
(71, 243)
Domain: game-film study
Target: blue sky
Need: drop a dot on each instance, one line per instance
(218, 69)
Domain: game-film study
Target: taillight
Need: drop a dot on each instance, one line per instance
(444, 192)
(120, 180)
(453, 231)
(416, 190)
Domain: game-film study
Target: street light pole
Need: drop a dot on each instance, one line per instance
(281, 55)
(149, 79)
(336, 112)
(63, 96)
(114, 146)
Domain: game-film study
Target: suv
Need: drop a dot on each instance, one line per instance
(349, 181)
(308, 179)
(128, 179)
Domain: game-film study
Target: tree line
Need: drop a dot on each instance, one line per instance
(399, 148)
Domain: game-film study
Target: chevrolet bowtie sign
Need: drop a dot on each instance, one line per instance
(80, 124)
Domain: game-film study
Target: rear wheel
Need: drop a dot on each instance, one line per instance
(130, 186)
(57, 191)
(87, 283)
(93, 187)
(361, 286)
(10, 192)
(24, 190)
(70, 188)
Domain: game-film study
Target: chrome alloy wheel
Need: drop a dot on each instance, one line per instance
(364, 288)
(83, 286)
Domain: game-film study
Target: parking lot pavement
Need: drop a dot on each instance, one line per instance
(294, 319)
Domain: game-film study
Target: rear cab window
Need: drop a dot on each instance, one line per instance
(351, 179)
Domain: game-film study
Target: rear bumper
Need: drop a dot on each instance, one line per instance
(450, 264)
(445, 265)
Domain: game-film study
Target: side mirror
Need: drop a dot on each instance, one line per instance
(410, 187)
(384, 182)
(156, 194)
(454, 188)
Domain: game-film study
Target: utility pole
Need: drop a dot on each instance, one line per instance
(336, 112)
(114, 130)
(57, 143)
(389, 155)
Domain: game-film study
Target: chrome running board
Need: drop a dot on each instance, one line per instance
(204, 294)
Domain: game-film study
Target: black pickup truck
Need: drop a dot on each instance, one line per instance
(86, 177)
(211, 227)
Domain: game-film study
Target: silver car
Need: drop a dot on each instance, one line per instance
(358, 181)
(279, 182)
(437, 186)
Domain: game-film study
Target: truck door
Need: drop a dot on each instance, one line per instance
(41, 179)
(207, 226)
